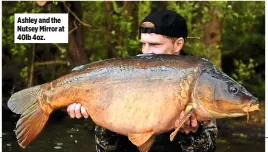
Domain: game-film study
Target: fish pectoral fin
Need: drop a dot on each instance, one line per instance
(141, 138)
(147, 145)
(188, 112)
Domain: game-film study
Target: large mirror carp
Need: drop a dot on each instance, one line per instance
(138, 97)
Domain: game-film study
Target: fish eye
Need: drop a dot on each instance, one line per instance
(233, 89)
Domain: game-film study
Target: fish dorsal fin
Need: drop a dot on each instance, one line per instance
(78, 68)
(141, 138)
(147, 145)
(188, 112)
(145, 54)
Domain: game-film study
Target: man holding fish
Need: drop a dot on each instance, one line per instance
(141, 97)
(162, 32)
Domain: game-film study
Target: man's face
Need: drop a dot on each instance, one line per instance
(158, 44)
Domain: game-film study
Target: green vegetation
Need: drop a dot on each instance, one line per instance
(231, 34)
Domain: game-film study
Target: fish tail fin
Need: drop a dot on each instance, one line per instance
(33, 118)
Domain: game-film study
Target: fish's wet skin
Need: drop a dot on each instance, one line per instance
(138, 97)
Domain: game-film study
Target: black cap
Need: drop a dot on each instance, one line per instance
(166, 23)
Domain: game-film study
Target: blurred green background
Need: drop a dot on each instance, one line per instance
(230, 33)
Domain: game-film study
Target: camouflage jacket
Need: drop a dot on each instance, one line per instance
(204, 140)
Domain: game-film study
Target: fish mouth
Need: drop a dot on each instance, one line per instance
(250, 108)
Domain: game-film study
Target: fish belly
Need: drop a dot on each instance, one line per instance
(136, 107)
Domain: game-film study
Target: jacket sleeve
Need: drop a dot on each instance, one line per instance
(107, 141)
(204, 140)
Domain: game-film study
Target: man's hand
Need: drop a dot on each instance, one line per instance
(191, 125)
(75, 110)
